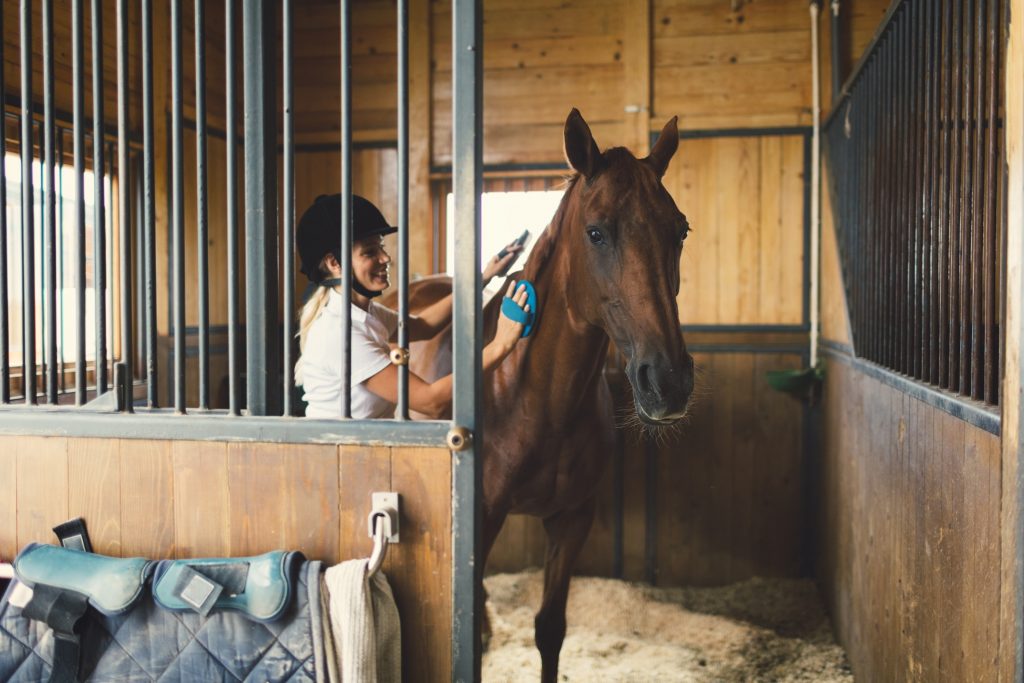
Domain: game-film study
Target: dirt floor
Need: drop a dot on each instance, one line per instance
(757, 630)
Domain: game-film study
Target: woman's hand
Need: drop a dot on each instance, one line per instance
(499, 265)
(509, 330)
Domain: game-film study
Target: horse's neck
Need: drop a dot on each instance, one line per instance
(567, 353)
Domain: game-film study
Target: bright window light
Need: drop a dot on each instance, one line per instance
(504, 217)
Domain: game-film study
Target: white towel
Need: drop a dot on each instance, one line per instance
(364, 624)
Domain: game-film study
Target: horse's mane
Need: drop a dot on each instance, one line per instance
(545, 246)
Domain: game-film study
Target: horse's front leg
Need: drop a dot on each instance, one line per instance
(567, 531)
(493, 521)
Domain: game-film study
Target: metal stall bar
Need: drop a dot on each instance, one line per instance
(262, 336)
(289, 208)
(28, 280)
(942, 256)
(914, 204)
(99, 223)
(61, 380)
(124, 214)
(467, 323)
(402, 411)
(232, 204)
(346, 207)
(5, 351)
(990, 248)
(177, 209)
(78, 136)
(977, 213)
(50, 209)
(935, 145)
(202, 222)
(958, 267)
(149, 202)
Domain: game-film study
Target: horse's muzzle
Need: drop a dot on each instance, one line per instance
(662, 389)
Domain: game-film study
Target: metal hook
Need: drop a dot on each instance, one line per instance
(383, 528)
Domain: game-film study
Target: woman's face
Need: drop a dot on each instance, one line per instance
(370, 263)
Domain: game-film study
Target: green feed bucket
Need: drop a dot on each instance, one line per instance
(796, 383)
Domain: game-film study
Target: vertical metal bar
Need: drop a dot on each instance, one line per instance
(991, 380)
(78, 64)
(934, 188)
(917, 170)
(60, 255)
(955, 225)
(262, 335)
(467, 166)
(963, 255)
(232, 203)
(942, 256)
(28, 288)
(977, 265)
(50, 213)
(5, 350)
(124, 213)
(402, 412)
(928, 75)
(177, 209)
(149, 203)
(288, 209)
(99, 249)
(910, 86)
(346, 206)
(837, 49)
(202, 223)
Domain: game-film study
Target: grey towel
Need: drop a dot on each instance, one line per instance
(364, 624)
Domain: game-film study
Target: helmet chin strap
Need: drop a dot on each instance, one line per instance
(356, 285)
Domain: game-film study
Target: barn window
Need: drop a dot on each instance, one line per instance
(65, 271)
(916, 158)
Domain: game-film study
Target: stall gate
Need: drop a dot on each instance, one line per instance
(84, 428)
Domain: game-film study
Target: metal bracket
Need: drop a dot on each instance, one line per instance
(400, 356)
(385, 510)
(459, 438)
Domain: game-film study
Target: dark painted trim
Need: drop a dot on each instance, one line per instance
(64, 120)
(561, 167)
(738, 132)
(312, 147)
(217, 425)
(745, 328)
(748, 348)
(651, 512)
(972, 412)
(836, 347)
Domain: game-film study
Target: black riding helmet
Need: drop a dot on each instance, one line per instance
(319, 231)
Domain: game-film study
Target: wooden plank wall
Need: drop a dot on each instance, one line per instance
(192, 498)
(744, 199)
(909, 528)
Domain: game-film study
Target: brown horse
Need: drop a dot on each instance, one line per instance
(606, 267)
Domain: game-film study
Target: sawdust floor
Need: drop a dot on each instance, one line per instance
(756, 630)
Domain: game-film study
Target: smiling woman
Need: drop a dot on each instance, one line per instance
(373, 376)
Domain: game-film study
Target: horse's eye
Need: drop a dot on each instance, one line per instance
(595, 236)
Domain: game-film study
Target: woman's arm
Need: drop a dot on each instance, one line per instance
(434, 399)
(432, 319)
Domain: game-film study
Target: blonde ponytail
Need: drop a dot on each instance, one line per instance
(310, 312)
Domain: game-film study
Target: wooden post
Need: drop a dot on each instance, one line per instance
(1012, 568)
(421, 210)
(636, 58)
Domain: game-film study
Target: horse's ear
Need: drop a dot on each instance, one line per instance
(580, 148)
(665, 147)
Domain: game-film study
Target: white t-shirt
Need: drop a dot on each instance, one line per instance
(322, 362)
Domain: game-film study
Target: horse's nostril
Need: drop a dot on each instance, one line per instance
(643, 379)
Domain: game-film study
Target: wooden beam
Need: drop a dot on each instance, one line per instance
(1012, 571)
(636, 58)
(421, 210)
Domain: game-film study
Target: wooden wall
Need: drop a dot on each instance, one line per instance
(909, 528)
(744, 199)
(194, 498)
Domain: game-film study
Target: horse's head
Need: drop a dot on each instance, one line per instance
(627, 237)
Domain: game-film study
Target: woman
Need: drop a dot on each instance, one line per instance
(374, 378)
